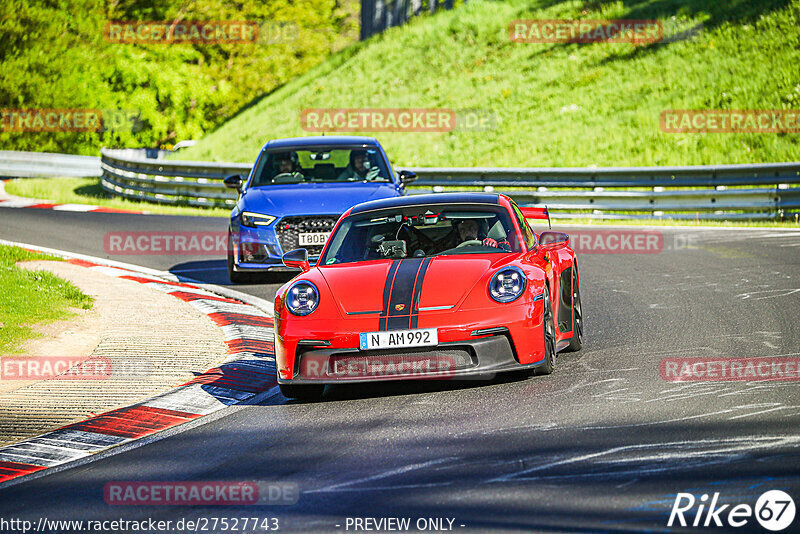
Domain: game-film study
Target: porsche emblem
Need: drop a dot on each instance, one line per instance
(399, 307)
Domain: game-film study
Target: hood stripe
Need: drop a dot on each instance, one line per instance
(418, 292)
(402, 289)
(387, 292)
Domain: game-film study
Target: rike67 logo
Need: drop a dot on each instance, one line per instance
(774, 510)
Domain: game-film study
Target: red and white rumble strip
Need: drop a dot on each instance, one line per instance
(17, 202)
(248, 371)
(84, 208)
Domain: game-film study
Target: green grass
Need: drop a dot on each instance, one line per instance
(556, 104)
(28, 298)
(89, 191)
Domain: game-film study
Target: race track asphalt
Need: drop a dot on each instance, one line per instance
(603, 444)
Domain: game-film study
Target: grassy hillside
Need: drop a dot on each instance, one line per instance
(555, 104)
(55, 54)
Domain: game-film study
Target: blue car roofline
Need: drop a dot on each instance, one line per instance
(327, 141)
(321, 141)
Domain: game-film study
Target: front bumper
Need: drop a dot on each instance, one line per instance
(261, 249)
(471, 358)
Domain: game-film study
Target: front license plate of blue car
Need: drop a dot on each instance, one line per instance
(317, 238)
(394, 339)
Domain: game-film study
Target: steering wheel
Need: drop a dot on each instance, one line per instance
(294, 175)
(470, 243)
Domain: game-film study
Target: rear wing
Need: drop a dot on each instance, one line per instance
(536, 213)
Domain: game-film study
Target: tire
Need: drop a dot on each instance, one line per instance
(234, 276)
(576, 342)
(549, 337)
(302, 392)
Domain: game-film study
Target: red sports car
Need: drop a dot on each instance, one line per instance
(429, 286)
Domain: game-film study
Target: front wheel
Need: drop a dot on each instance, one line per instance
(549, 337)
(234, 276)
(302, 391)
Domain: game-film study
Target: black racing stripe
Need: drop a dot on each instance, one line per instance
(387, 291)
(402, 295)
(417, 292)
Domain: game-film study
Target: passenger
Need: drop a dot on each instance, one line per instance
(359, 167)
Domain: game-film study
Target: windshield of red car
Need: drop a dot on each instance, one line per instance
(422, 231)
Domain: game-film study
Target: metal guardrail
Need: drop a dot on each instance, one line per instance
(378, 15)
(193, 183)
(688, 176)
(657, 191)
(47, 164)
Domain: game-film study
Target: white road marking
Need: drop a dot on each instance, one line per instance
(762, 411)
(732, 447)
(384, 474)
(782, 293)
(74, 207)
(18, 203)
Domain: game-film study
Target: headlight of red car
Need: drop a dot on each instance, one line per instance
(302, 298)
(507, 284)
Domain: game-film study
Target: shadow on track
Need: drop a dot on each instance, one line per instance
(216, 272)
(399, 388)
(208, 271)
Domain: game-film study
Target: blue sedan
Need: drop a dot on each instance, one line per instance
(296, 192)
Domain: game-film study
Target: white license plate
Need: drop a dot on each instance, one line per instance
(313, 239)
(398, 339)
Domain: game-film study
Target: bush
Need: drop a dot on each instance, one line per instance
(54, 54)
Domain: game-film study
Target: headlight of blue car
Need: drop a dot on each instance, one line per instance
(252, 220)
(302, 298)
(507, 284)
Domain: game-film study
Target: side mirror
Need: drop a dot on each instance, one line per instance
(406, 177)
(553, 240)
(234, 181)
(297, 259)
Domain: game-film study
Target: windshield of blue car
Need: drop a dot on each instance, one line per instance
(343, 165)
(422, 231)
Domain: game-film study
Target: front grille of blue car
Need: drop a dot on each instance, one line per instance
(290, 228)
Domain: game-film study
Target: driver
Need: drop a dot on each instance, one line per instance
(359, 167)
(285, 162)
(468, 231)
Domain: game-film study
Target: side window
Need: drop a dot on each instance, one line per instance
(530, 237)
